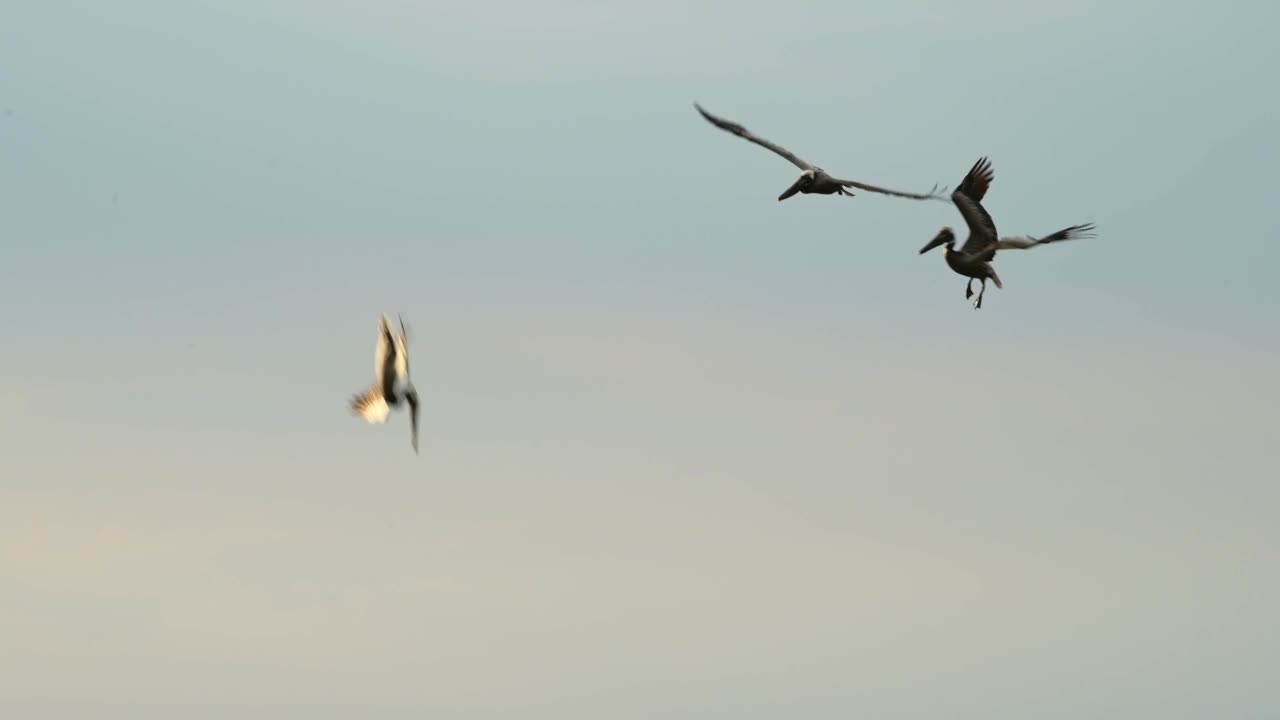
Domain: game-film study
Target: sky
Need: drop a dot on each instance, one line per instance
(687, 452)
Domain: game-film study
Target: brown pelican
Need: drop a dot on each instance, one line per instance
(974, 259)
(391, 383)
(814, 179)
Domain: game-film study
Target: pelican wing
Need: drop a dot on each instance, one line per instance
(402, 354)
(736, 129)
(371, 405)
(1022, 242)
(931, 195)
(977, 180)
(967, 197)
(384, 356)
(982, 229)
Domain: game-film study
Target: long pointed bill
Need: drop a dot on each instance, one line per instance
(412, 397)
(939, 240)
(795, 188)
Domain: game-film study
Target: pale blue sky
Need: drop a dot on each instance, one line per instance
(688, 452)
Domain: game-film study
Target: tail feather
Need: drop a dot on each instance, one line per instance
(370, 405)
(991, 273)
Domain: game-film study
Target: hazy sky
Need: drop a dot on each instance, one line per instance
(687, 452)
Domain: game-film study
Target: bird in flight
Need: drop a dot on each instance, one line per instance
(813, 179)
(391, 385)
(974, 259)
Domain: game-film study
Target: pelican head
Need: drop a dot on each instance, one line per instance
(946, 236)
(801, 185)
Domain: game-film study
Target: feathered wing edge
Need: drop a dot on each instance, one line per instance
(937, 192)
(1022, 242)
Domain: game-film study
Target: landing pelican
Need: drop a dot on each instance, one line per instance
(974, 259)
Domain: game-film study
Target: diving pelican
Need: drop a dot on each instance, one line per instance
(814, 179)
(974, 259)
(391, 384)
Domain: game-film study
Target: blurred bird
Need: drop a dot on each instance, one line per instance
(391, 384)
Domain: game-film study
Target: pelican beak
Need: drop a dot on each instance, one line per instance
(412, 396)
(939, 239)
(795, 188)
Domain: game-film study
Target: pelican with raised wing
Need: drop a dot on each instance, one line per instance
(391, 385)
(814, 180)
(974, 259)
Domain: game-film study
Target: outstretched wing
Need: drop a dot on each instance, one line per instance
(934, 194)
(371, 405)
(384, 355)
(1022, 242)
(402, 354)
(736, 129)
(385, 358)
(978, 180)
(968, 199)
